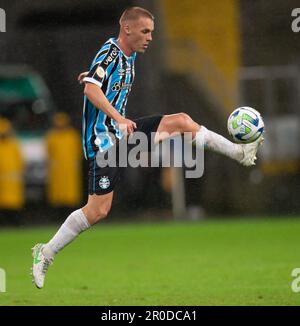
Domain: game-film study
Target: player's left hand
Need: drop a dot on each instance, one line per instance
(82, 76)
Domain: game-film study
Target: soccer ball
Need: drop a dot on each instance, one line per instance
(245, 125)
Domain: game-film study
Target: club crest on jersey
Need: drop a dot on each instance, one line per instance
(104, 182)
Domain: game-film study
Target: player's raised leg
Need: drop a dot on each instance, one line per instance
(182, 122)
(97, 208)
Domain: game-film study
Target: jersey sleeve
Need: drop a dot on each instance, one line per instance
(100, 71)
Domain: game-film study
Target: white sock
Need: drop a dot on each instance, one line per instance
(219, 144)
(71, 228)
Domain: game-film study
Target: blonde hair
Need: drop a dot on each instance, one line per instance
(134, 13)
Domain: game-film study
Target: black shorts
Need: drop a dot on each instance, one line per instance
(102, 180)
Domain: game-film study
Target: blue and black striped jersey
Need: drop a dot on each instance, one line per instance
(113, 72)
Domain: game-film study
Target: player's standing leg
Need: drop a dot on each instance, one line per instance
(97, 208)
(181, 122)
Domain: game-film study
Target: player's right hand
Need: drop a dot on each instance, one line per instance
(126, 126)
(81, 77)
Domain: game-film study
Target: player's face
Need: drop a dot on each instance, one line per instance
(141, 34)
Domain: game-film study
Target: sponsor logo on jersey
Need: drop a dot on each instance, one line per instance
(112, 54)
(127, 87)
(117, 87)
(121, 72)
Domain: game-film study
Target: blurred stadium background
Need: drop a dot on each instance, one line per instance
(207, 58)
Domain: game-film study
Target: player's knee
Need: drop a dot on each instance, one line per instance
(98, 214)
(102, 212)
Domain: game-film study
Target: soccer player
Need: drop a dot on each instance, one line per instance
(107, 87)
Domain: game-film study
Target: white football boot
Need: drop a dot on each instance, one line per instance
(250, 151)
(40, 265)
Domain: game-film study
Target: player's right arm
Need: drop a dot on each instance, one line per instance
(81, 77)
(100, 101)
(94, 81)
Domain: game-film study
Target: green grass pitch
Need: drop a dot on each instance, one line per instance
(233, 262)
